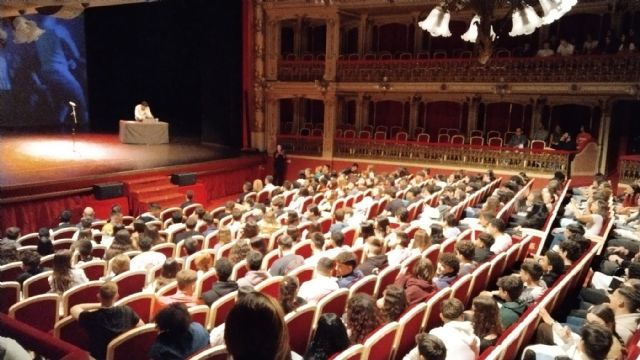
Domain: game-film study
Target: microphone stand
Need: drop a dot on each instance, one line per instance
(73, 128)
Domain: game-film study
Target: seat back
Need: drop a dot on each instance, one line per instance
(497, 266)
(94, 269)
(270, 258)
(352, 353)
(200, 314)
(457, 139)
(434, 305)
(476, 141)
(64, 233)
(423, 138)
(432, 253)
(141, 303)
(304, 273)
(10, 271)
(304, 248)
(239, 270)
(205, 282)
(365, 285)
(68, 329)
(385, 278)
(335, 302)
(36, 285)
(80, 294)
(167, 249)
(379, 345)
(300, 324)
(460, 289)
(40, 311)
(443, 138)
(410, 324)
(270, 286)
(9, 295)
(213, 353)
(220, 309)
(133, 344)
(349, 235)
(495, 142)
(130, 282)
(479, 280)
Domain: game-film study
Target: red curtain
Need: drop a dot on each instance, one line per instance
(504, 116)
(389, 113)
(441, 114)
(394, 38)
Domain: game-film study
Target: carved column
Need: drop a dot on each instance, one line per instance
(362, 35)
(258, 133)
(297, 37)
(272, 124)
(417, 35)
(358, 123)
(414, 110)
(298, 115)
(330, 113)
(332, 47)
(603, 136)
(272, 49)
(472, 116)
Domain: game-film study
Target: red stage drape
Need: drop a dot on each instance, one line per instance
(248, 113)
(441, 114)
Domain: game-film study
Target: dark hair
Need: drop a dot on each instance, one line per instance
(466, 249)
(30, 259)
(402, 214)
(330, 338)
(45, 246)
(532, 268)
(498, 224)
(289, 293)
(285, 242)
(486, 317)
(395, 302)
(631, 295)
(254, 260)
(423, 269)
(512, 285)
(556, 262)
(224, 268)
(173, 322)
(338, 238)
(145, 243)
(450, 260)
(451, 220)
(170, 268)
(266, 339)
(572, 249)
(65, 216)
(84, 247)
(366, 230)
(190, 245)
(437, 234)
(363, 316)
(431, 347)
(347, 258)
(403, 239)
(596, 341)
(575, 229)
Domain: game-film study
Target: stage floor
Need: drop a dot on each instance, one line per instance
(26, 160)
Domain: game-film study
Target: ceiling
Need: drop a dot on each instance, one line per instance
(16, 7)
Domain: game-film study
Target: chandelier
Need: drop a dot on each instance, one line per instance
(525, 19)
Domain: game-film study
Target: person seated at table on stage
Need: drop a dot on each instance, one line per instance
(143, 112)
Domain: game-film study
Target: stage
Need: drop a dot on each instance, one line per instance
(44, 174)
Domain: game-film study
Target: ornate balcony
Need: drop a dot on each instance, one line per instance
(301, 145)
(598, 68)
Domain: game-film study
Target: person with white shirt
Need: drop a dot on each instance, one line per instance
(147, 259)
(317, 240)
(502, 241)
(337, 241)
(565, 48)
(268, 183)
(321, 285)
(546, 50)
(456, 334)
(142, 112)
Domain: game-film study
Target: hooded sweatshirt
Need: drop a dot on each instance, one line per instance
(458, 338)
(416, 290)
(253, 278)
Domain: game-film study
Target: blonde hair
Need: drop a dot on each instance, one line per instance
(257, 185)
(119, 264)
(203, 261)
(224, 235)
(186, 278)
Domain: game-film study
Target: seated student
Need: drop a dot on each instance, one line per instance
(30, 265)
(288, 295)
(178, 336)
(186, 286)
(104, 321)
(486, 321)
(362, 317)
(64, 277)
(346, 269)
(117, 266)
(147, 259)
(335, 245)
(430, 347)
(421, 242)
(375, 259)
(552, 267)
(502, 240)
(322, 284)
(317, 243)
(223, 286)
(254, 276)
(560, 235)
(483, 244)
(456, 333)
(534, 286)
(83, 248)
(509, 290)
(569, 250)
(556, 341)
(190, 231)
(288, 259)
(393, 303)
(400, 249)
(448, 267)
(339, 222)
(417, 282)
(329, 338)
(152, 215)
(465, 252)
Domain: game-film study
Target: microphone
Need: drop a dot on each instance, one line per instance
(72, 103)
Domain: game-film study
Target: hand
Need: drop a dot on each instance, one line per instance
(486, 294)
(616, 259)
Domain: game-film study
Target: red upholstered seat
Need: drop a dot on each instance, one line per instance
(300, 323)
(133, 344)
(443, 138)
(385, 278)
(94, 269)
(304, 248)
(497, 267)
(205, 282)
(352, 353)
(432, 253)
(36, 285)
(220, 309)
(423, 138)
(200, 314)
(349, 235)
(270, 286)
(214, 353)
(10, 271)
(379, 345)
(39, 311)
(303, 273)
(434, 304)
(460, 289)
(68, 329)
(81, 294)
(168, 249)
(130, 282)
(240, 270)
(335, 302)
(480, 279)
(141, 303)
(410, 324)
(9, 295)
(365, 285)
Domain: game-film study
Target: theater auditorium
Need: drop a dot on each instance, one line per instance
(319, 179)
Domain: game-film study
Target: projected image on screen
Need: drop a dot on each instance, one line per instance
(42, 71)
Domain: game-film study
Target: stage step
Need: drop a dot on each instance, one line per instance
(154, 191)
(173, 199)
(132, 188)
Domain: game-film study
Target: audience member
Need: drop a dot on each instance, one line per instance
(329, 338)
(147, 259)
(546, 50)
(65, 277)
(486, 321)
(375, 258)
(362, 317)
(178, 336)
(254, 276)
(9, 246)
(417, 282)
(30, 265)
(168, 273)
(186, 280)
(531, 275)
(509, 290)
(465, 252)
(322, 284)
(393, 303)
(346, 271)
(289, 299)
(447, 272)
(288, 259)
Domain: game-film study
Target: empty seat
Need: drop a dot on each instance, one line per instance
(39, 311)
(133, 344)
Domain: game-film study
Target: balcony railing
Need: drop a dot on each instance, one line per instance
(629, 169)
(596, 68)
(301, 145)
(485, 157)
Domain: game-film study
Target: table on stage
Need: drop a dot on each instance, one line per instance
(135, 132)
